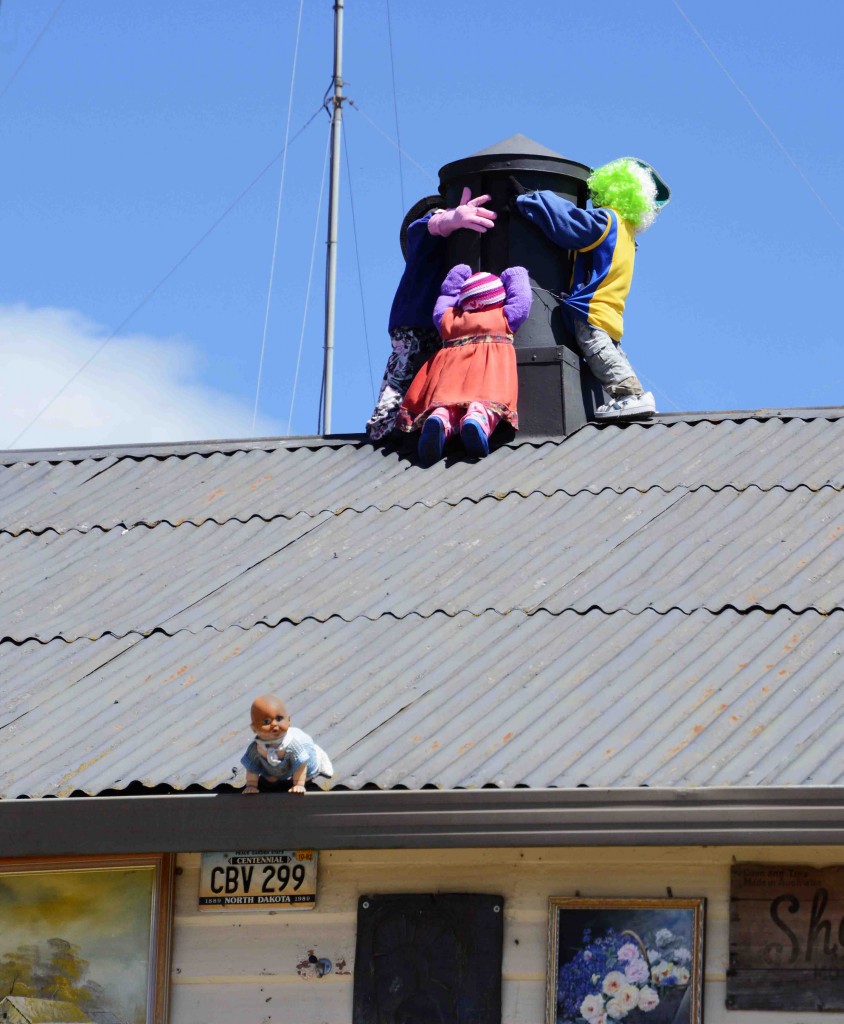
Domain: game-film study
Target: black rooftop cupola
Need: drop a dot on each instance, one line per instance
(557, 392)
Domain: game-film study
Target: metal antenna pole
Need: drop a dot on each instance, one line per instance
(333, 202)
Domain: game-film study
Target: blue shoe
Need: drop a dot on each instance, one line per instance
(474, 438)
(431, 441)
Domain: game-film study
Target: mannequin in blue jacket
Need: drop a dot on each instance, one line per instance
(413, 336)
(626, 196)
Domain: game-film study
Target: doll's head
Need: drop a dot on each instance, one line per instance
(481, 291)
(270, 720)
(630, 187)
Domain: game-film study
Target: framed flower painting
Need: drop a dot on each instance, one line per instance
(634, 960)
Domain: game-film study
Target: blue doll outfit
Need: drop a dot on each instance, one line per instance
(280, 760)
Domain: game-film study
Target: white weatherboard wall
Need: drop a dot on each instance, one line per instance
(253, 967)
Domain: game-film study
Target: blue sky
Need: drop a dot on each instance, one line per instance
(128, 129)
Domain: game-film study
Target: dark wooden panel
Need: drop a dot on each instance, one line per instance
(428, 958)
(786, 937)
(789, 990)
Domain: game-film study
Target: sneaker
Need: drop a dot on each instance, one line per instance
(628, 407)
(431, 441)
(474, 439)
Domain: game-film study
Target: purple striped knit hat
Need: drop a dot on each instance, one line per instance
(482, 291)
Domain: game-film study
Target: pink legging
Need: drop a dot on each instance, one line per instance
(452, 417)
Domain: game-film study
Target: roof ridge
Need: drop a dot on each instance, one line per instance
(168, 449)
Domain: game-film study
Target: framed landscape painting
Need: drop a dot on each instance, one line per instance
(634, 960)
(87, 938)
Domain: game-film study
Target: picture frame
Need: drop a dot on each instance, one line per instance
(91, 933)
(639, 961)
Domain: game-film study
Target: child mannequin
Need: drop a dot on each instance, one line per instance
(280, 751)
(470, 384)
(626, 196)
(413, 337)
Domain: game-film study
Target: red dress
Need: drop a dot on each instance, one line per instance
(477, 363)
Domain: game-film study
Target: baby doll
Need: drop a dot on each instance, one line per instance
(470, 384)
(626, 196)
(280, 751)
(413, 336)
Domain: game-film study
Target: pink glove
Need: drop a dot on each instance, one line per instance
(469, 214)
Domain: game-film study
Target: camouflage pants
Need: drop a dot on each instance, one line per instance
(606, 360)
(411, 347)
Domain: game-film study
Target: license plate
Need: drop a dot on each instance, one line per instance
(258, 880)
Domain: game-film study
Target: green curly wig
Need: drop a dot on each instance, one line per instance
(625, 186)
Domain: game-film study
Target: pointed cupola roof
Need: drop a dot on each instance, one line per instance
(518, 152)
(518, 145)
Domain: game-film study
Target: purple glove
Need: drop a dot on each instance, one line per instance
(469, 214)
(519, 296)
(455, 279)
(450, 289)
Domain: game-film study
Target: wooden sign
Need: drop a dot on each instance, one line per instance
(786, 938)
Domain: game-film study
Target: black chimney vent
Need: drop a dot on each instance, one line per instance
(557, 392)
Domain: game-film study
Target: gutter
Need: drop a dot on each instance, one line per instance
(430, 819)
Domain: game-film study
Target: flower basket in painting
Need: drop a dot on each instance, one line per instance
(607, 974)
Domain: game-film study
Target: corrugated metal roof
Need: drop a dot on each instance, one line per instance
(449, 701)
(657, 549)
(288, 481)
(648, 605)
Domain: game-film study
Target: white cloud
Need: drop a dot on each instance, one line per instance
(138, 389)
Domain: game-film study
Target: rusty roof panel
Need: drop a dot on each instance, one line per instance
(133, 580)
(662, 550)
(463, 701)
(649, 605)
(110, 492)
